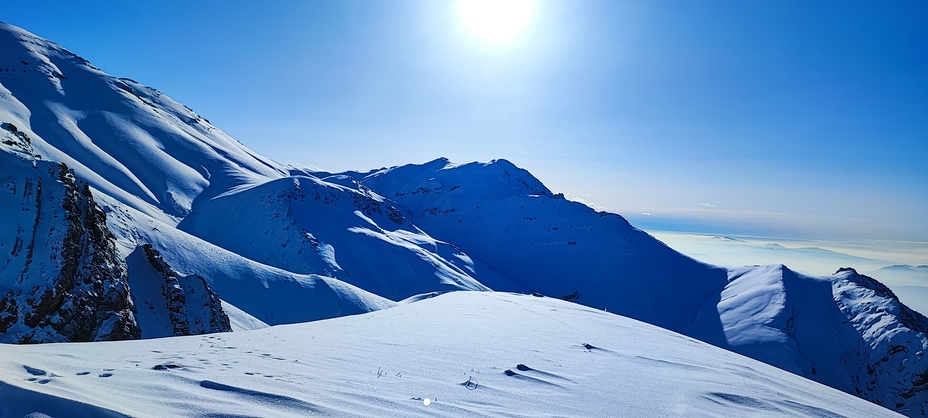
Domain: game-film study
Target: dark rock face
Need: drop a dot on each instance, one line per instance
(72, 285)
(192, 306)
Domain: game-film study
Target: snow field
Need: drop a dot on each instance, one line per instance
(548, 358)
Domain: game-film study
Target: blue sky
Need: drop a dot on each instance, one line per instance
(789, 119)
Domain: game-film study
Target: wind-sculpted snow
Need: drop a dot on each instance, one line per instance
(475, 354)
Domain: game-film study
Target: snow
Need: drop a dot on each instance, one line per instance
(269, 294)
(450, 355)
(309, 226)
(241, 320)
(846, 331)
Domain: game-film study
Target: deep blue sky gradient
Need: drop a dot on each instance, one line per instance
(790, 118)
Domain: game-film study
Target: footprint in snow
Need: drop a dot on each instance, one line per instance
(470, 384)
(592, 348)
(530, 379)
(34, 371)
(523, 368)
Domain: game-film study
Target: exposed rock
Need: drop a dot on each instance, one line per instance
(70, 282)
(192, 306)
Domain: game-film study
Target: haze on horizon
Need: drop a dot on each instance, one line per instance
(788, 120)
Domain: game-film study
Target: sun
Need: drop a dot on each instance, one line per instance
(496, 21)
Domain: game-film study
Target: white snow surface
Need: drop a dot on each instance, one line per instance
(241, 320)
(450, 355)
(306, 225)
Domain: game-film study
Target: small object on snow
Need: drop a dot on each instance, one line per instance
(426, 401)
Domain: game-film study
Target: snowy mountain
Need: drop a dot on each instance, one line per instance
(127, 215)
(504, 217)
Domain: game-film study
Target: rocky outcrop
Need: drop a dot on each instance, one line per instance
(894, 370)
(192, 307)
(62, 278)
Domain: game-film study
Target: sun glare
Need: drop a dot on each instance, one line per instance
(496, 21)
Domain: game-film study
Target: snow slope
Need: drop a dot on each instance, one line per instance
(306, 225)
(504, 217)
(847, 331)
(125, 139)
(268, 294)
(450, 355)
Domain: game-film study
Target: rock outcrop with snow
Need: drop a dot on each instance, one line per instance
(61, 278)
(172, 303)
